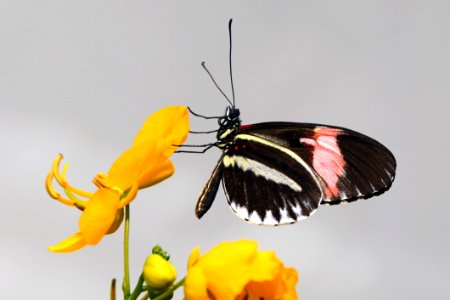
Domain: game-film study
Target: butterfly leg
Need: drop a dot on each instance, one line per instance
(203, 132)
(207, 147)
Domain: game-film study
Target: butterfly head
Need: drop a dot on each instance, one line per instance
(229, 122)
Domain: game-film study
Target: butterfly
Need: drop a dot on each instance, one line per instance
(277, 173)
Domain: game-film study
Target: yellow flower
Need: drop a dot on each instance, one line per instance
(159, 274)
(238, 270)
(144, 164)
(281, 287)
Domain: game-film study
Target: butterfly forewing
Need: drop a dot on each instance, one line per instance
(348, 165)
(369, 169)
(209, 192)
(263, 187)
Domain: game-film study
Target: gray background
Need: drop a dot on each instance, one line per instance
(79, 77)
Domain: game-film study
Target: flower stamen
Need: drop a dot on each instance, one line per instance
(53, 193)
(80, 204)
(70, 191)
(55, 168)
(65, 184)
(61, 178)
(101, 181)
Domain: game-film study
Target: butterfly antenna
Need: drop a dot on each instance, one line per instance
(231, 71)
(215, 83)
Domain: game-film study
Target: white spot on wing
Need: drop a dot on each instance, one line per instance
(254, 218)
(242, 212)
(269, 220)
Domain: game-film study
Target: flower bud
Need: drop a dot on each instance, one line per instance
(159, 274)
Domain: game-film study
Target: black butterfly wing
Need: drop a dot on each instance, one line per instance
(347, 164)
(267, 183)
(209, 192)
(278, 173)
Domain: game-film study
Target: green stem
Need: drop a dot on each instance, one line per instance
(126, 239)
(138, 289)
(170, 290)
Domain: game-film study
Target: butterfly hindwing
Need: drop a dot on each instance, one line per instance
(348, 165)
(266, 183)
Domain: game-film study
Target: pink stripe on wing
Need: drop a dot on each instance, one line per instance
(328, 161)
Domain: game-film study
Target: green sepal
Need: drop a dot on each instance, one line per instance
(160, 251)
(152, 294)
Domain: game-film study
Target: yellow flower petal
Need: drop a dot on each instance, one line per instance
(142, 165)
(70, 244)
(229, 267)
(147, 160)
(236, 271)
(156, 173)
(282, 287)
(195, 285)
(117, 221)
(169, 126)
(99, 215)
(194, 257)
(290, 278)
(127, 168)
(265, 265)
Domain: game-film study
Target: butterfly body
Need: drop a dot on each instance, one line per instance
(280, 172)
